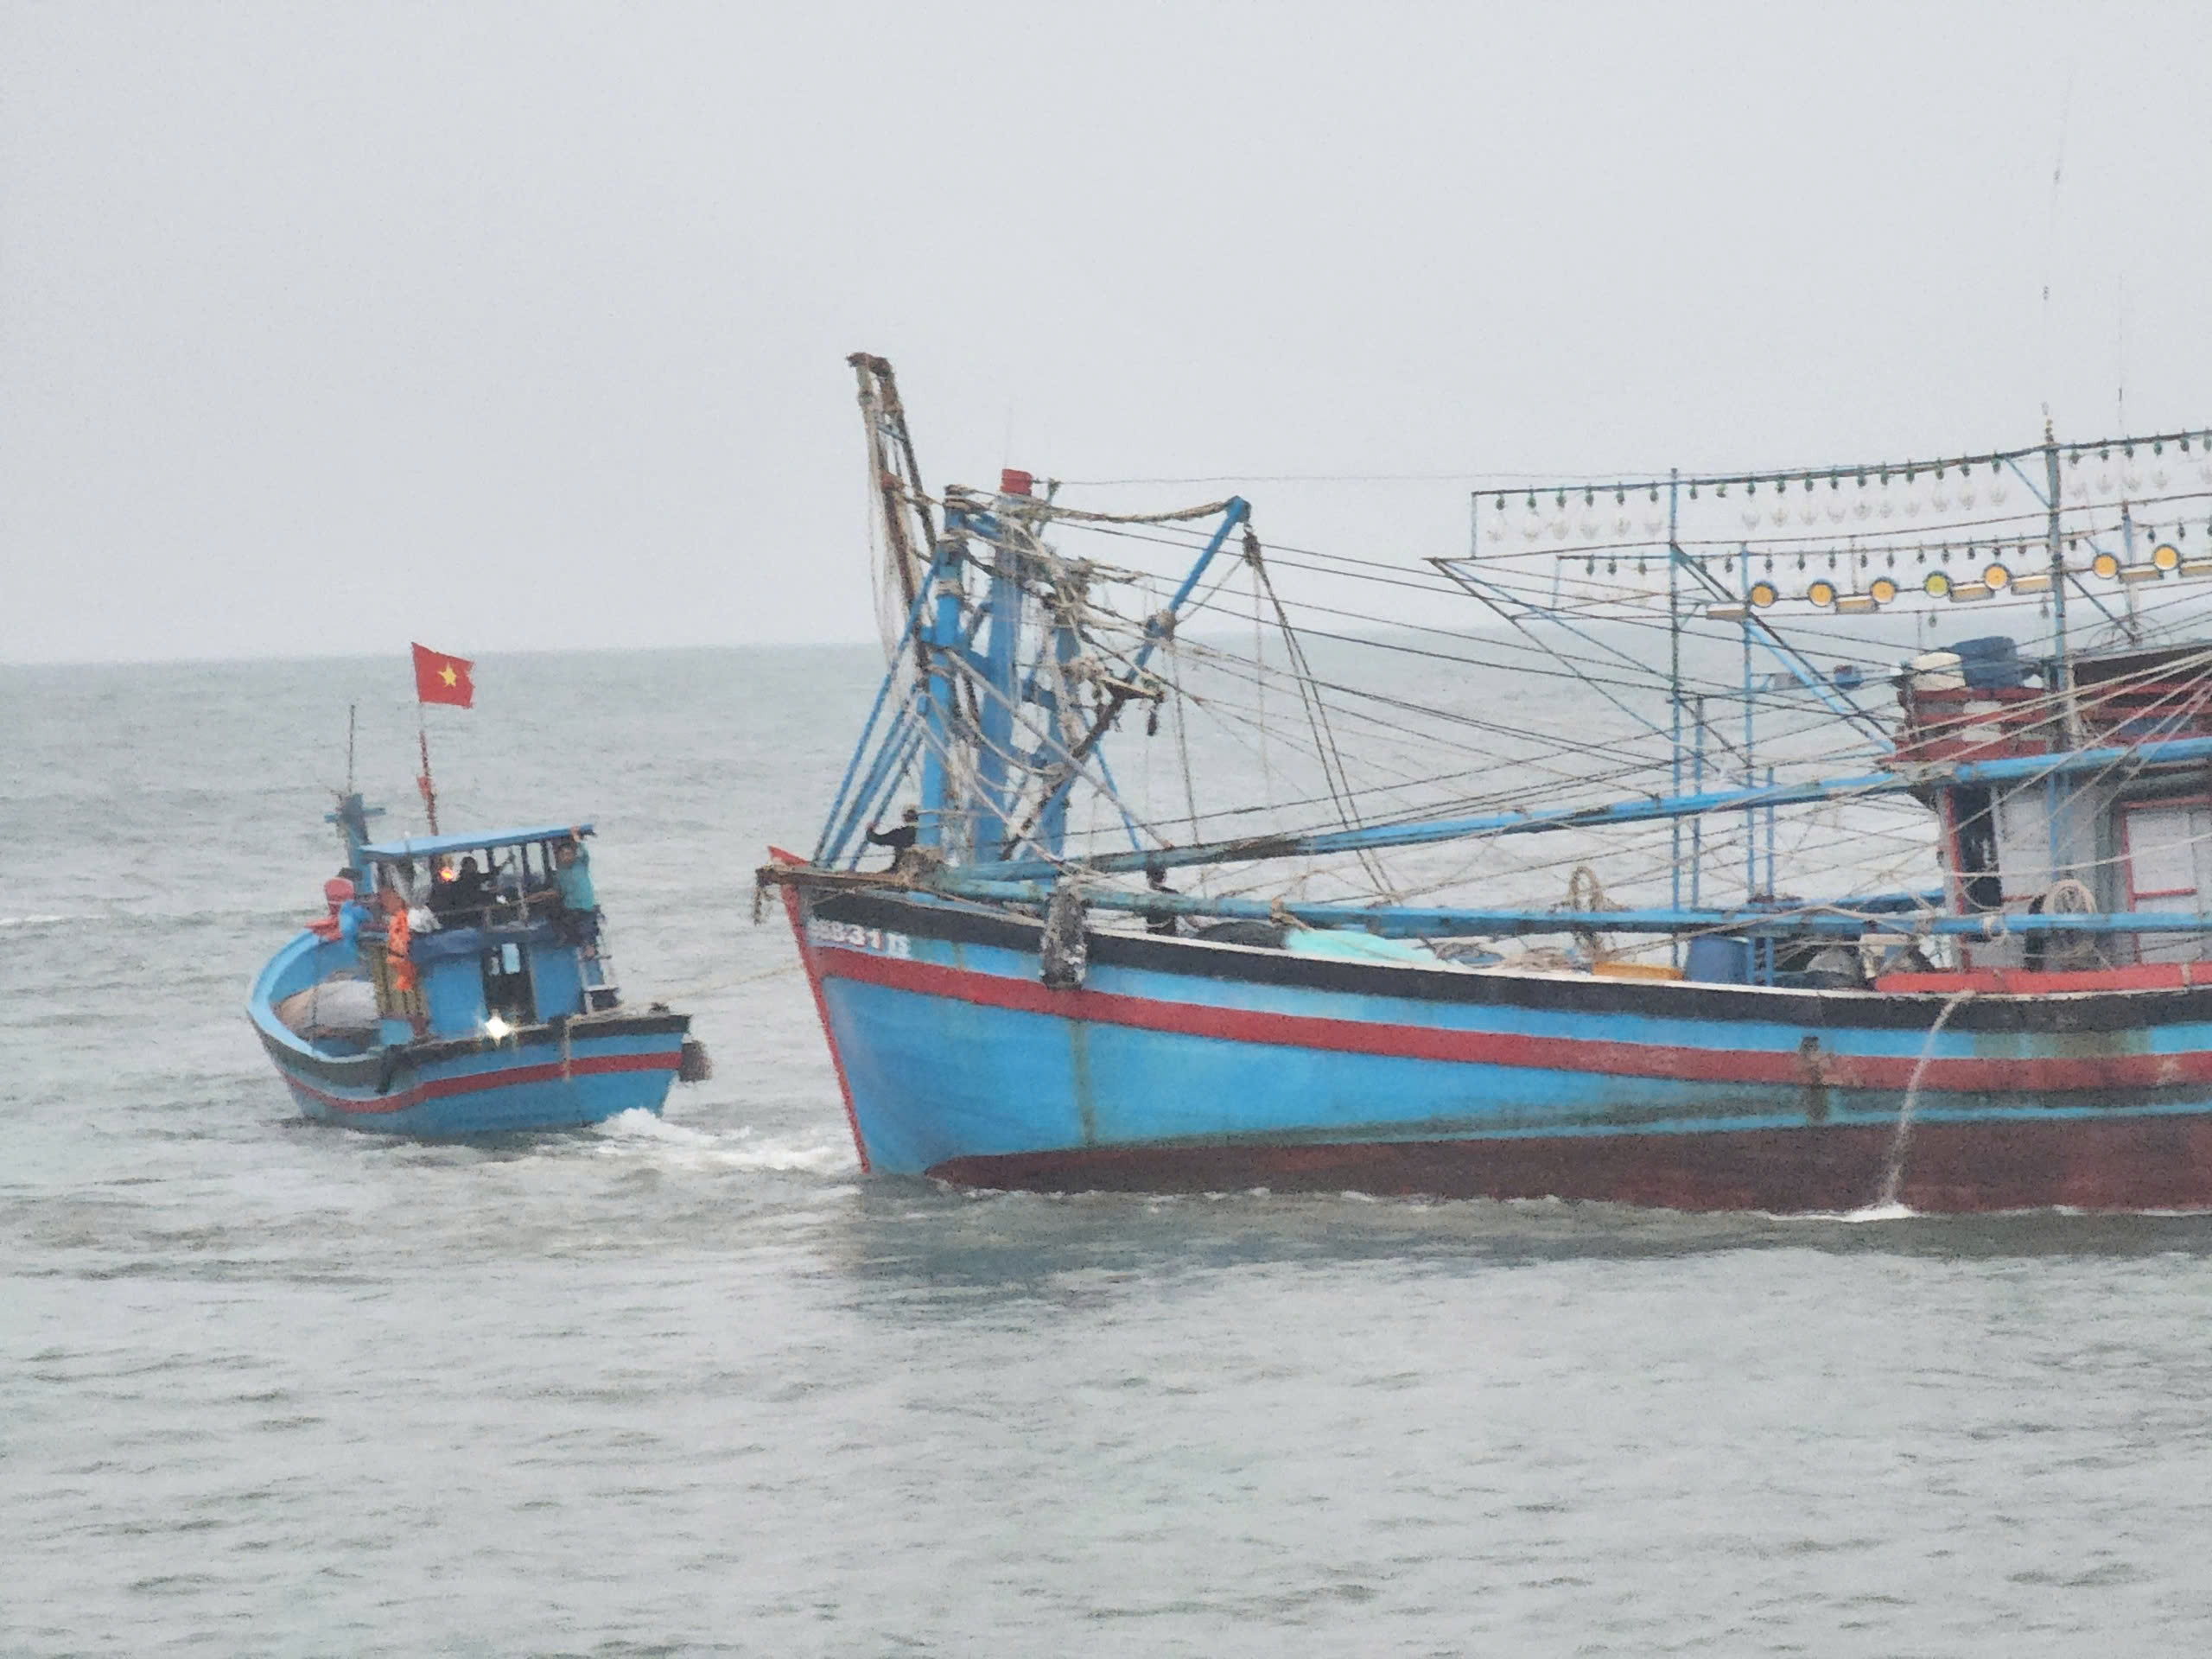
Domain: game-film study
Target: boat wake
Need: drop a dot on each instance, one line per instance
(636, 1130)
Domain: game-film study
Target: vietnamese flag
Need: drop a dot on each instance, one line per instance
(440, 679)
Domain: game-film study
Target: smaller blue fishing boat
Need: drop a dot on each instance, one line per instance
(460, 985)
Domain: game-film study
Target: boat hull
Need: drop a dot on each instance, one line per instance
(525, 1083)
(541, 1077)
(1186, 1065)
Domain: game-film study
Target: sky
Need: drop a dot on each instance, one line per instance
(507, 328)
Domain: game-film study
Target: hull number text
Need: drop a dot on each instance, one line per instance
(856, 937)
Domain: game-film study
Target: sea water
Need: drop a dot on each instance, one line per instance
(694, 1385)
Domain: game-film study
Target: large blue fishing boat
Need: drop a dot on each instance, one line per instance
(1619, 893)
(460, 985)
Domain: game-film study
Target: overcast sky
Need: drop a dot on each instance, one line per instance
(523, 326)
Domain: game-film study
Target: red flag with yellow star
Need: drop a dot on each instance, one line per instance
(440, 679)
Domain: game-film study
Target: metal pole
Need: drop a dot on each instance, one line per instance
(1750, 771)
(1770, 873)
(2061, 807)
(2069, 714)
(1674, 674)
(1697, 825)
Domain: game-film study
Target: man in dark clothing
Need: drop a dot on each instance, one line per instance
(1159, 921)
(899, 840)
(464, 894)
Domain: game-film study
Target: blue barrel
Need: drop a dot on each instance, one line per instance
(1715, 959)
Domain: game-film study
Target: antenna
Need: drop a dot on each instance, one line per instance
(351, 709)
(2120, 351)
(2051, 240)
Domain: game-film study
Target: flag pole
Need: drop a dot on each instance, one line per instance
(429, 790)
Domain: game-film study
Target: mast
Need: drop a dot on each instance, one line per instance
(894, 474)
(1002, 651)
(2063, 671)
(940, 695)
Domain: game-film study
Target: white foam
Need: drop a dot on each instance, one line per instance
(809, 1160)
(1889, 1212)
(627, 1134)
(30, 921)
(639, 1124)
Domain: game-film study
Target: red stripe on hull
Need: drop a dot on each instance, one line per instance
(1790, 1068)
(476, 1082)
(2129, 1164)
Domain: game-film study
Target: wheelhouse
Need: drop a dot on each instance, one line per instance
(494, 946)
(2132, 838)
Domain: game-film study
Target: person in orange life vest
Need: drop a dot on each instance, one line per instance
(397, 938)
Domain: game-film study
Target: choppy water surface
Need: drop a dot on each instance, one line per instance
(692, 1385)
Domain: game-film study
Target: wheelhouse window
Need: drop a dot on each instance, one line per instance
(2167, 846)
(507, 991)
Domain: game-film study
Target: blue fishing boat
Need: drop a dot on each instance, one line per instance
(461, 985)
(1532, 934)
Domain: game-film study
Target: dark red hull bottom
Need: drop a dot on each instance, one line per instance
(2120, 1164)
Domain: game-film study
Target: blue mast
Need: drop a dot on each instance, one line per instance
(942, 644)
(1001, 651)
(1641, 809)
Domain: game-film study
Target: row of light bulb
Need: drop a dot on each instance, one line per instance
(2100, 455)
(1996, 578)
(2126, 474)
